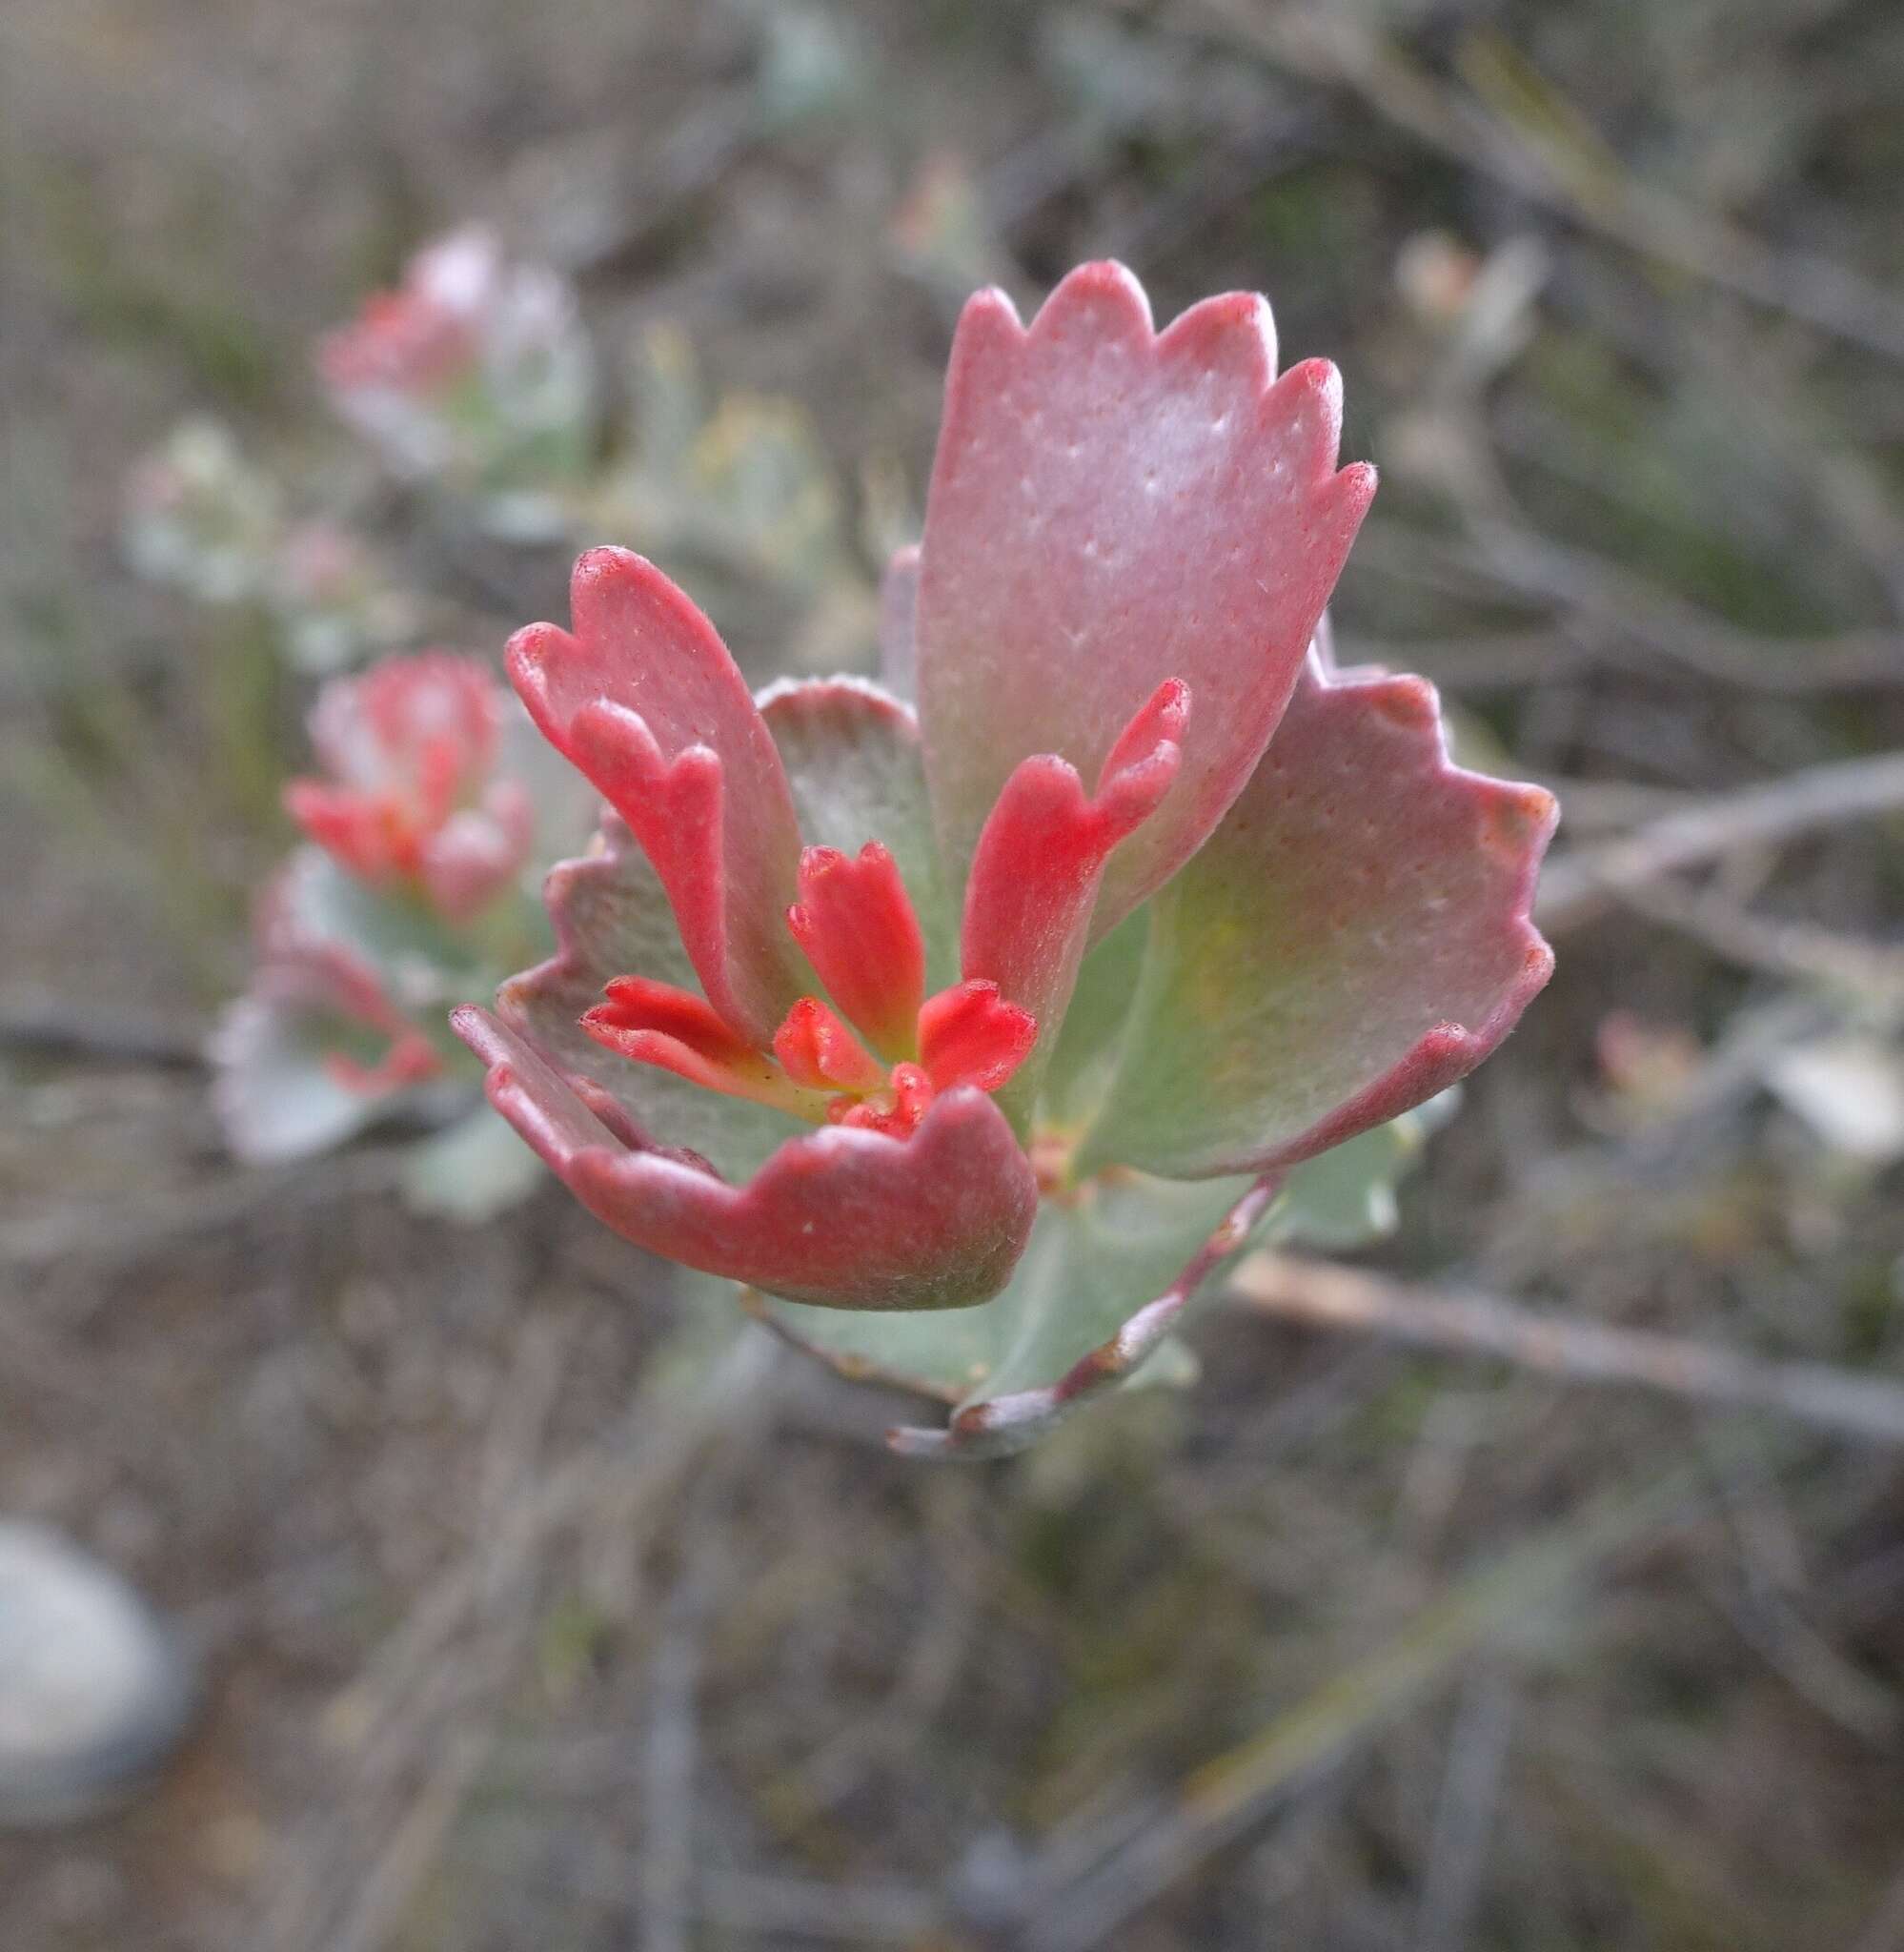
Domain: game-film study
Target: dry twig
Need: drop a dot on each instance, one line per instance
(1576, 886)
(1320, 1294)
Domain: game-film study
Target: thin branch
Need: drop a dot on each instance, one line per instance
(1325, 45)
(49, 1027)
(1464, 1813)
(1796, 950)
(1612, 615)
(1671, 627)
(1320, 1294)
(1577, 886)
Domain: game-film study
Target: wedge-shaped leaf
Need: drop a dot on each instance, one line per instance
(1112, 507)
(644, 699)
(1091, 1263)
(1353, 938)
(422, 963)
(842, 1218)
(313, 1052)
(276, 1092)
(1102, 1287)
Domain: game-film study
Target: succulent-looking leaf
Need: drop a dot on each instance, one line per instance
(1013, 1415)
(1041, 858)
(1111, 507)
(1099, 1287)
(1090, 1264)
(842, 1218)
(645, 700)
(310, 1055)
(823, 909)
(419, 962)
(1353, 938)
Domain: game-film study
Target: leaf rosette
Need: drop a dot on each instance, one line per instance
(973, 1038)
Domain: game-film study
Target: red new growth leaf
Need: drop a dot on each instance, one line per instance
(409, 750)
(971, 1035)
(896, 1111)
(1042, 855)
(845, 1218)
(856, 924)
(818, 1050)
(644, 699)
(655, 1023)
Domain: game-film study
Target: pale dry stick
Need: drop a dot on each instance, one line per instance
(414, 1845)
(1766, 1606)
(1320, 1294)
(1796, 950)
(773, 1910)
(896, 1727)
(1671, 627)
(89, 1231)
(524, 1399)
(1508, 660)
(1613, 617)
(58, 1028)
(1578, 885)
(1464, 1817)
(665, 1883)
(1884, 1931)
(664, 1449)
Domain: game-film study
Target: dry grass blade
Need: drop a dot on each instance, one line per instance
(1237, 1788)
(1320, 1294)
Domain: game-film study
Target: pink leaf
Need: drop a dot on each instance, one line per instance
(1353, 938)
(856, 922)
(971, 1035)
(1111, 507)
(1042, 855)
(645, 700)
(818, 1052)
(673, 1029)
(844, 1218)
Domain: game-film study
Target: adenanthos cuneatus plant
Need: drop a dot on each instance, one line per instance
(473, 369)
(435, 806)
(972, 1038)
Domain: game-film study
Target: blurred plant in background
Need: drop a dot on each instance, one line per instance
(475, 374)
(427, 836)
(477, 392)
